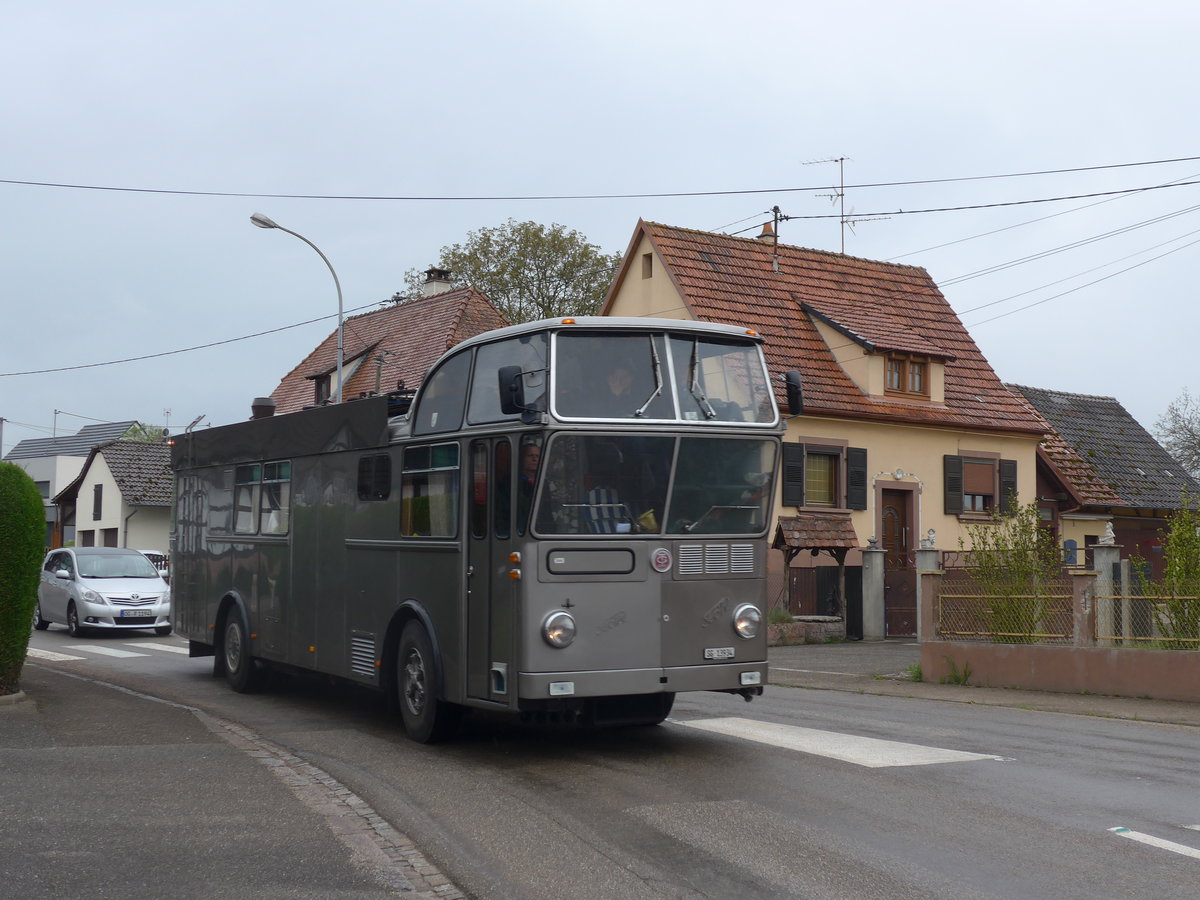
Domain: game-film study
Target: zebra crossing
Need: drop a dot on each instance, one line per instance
(109, 650)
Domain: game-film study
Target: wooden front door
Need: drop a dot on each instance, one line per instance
(900, 576)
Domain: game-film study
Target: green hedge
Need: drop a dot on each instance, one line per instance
(22, 539)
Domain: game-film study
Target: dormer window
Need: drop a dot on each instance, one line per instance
(907, 374)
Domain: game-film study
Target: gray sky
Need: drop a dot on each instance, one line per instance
(485, 99)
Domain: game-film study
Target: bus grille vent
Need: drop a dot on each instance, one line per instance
(716, 559)
(362, 655)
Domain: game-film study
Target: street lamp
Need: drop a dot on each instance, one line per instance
(263, 222)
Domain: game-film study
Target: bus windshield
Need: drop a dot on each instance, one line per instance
(696, 378)
(654, 484)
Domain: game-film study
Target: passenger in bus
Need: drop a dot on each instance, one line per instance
(616, 399)
(605, 512)
(531, 456)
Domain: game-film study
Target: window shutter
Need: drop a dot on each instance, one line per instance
(793, 475)
(1008, 486)
(856, 478)
(952, 472)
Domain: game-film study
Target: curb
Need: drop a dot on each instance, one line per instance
(14, 700)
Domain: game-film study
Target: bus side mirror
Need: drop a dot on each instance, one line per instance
(512, 390)
(795, 393)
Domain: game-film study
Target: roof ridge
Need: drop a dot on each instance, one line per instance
(1024, 387)
(753, 241)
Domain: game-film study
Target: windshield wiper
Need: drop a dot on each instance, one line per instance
(658, 381)
(694, 383)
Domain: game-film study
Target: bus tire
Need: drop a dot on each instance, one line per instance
(427, 719)
(241, 669)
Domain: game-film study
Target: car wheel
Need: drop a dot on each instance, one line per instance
(241, 669)
(73, 627)
(162, 630)
(427, 719)
(38, 622)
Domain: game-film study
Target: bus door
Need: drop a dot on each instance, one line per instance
(490, 590)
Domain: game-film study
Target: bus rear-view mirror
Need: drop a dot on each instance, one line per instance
(512, 390)
(795, 393)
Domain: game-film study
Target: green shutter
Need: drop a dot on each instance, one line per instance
(953, 484)
(1008, 486)
(856, 478)
(793, 475)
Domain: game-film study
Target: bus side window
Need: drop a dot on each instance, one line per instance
(443, 396)
(429, 491)
(375, 477)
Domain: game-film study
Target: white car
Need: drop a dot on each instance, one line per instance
(102, 587)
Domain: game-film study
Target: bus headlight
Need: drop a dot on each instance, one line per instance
(559, 629)
(747, 620)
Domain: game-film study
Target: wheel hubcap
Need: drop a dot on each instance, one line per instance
(233, 647)
(414, 682)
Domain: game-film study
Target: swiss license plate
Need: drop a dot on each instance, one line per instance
(718, 653)
(136, 614)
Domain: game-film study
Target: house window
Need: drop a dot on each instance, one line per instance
(977, 485)
(97, 501)
(44, 489)
(907, 375)
(322, 389)
(822, 476)
(820, 479)
(647, 265)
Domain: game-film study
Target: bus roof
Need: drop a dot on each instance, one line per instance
(612, 323)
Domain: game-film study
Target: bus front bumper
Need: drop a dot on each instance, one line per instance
(731, 677)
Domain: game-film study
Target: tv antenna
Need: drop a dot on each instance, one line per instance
(838, 196)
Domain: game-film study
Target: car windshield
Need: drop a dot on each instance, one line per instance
(652, 484)
(116, 565)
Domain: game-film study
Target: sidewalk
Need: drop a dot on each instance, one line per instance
(885, 668)
(110, 793)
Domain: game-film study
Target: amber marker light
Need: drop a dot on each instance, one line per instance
(568, 321)
(514, 557)
(514, 574)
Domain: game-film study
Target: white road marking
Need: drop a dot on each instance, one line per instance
(862, 751)
(49, 655)
(104, 651)
(169, 648)
(1193, 827)
(1181, 849)
(820, 672)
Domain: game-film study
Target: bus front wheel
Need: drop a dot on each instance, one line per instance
(427, 719)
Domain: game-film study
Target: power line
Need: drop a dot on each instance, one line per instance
(627, 196)
(245, 337)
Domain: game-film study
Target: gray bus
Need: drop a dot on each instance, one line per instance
(568, 521)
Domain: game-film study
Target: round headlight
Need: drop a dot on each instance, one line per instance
(747, 620)
(559, 629)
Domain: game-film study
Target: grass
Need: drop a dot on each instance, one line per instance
(957, 676)
(914, 672)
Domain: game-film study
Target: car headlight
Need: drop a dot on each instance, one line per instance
(747, 620)
(92, 597)
(558, 629)
(166, 597)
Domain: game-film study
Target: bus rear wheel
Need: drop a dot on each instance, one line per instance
(241, 670)
(427, 719)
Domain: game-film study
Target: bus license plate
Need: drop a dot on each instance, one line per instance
(718, 653)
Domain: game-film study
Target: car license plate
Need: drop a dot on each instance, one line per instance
(718, 653)
(137, 614)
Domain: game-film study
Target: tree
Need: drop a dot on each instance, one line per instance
(529, 271)
(22, 537)
(1178, 430)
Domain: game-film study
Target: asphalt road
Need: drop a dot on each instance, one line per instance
(803, 793)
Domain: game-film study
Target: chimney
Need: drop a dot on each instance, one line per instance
(768, 233)
(262, 408)
(437, 281)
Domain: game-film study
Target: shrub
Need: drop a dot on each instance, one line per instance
(22, 541)
(1015, 565)
(1178, 609)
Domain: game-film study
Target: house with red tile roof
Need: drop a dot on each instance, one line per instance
(907, 435)
(387, 348)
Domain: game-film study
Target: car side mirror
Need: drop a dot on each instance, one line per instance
(512, 390)
(795, 392)
(63, 573)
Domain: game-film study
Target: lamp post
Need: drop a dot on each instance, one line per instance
(263, 222)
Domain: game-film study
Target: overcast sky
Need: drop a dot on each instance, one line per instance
(737, 103)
